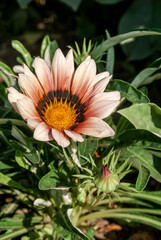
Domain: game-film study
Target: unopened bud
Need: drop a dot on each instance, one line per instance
(106, 181)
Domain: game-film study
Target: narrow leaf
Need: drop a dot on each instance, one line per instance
(142, 77)
(21, 49)
(145, 158)
(63, 226)
(104, 46)
(7, 181)
(142, 179)
(44, 45)
(110, 59)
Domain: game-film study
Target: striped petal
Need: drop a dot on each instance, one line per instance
(95, 127)
(102, 105)
(70, 68)
(74, 135)
(43, 73)
(60, 138)
(83, 77)
(27, 108)
(59, 70)
(100, 77)
(98, 86)
(43, 132)
(33, 122)
(30, 87)
(14, 96)
(47, 56)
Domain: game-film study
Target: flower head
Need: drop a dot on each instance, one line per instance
(61, 102)
(107, 181)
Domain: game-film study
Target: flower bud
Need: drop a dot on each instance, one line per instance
(106, 181)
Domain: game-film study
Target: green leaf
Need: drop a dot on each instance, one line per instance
(74, 4)
(18, 222)
(7, 181)
(144, 137)
(63, 226)
(7, 74)
(137, 137)
(110, 59)
(144, 116)
(11, 234)
(128, 91)
(17, 122)
(44, 45)
(151, 196)
(86, 148)
(49, 181)
(54, 180)
(9, 209)
(19, 157)
(3, 92)
(129, 215)
(19, 135)
(21, 49)
(144, 76)
(53, 47)
(24, 3)
(142, 179)
(104, 46)
(33, 156)
(143, 157)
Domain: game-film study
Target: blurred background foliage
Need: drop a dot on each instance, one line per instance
(71, 20)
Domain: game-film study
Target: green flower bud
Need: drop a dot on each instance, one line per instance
(106, 181)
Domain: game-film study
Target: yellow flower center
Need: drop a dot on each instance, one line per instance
(60, 115)
(61, 110)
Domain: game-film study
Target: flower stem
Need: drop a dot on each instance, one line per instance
(69, 160)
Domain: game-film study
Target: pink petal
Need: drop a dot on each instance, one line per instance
(60, 138)
(33, 122)
(102, 105)
(47, 56)
(95, 127)
(43, 132)
(14, 96)
(101, 109)
(30, 87)
(18, 69)
(59, 70)
(28, 72)
(43, 73)
(83, 77)
(74, 135)
(106, 96)
(70, 68)
(98, 86)
(27, 108)
(100, 77)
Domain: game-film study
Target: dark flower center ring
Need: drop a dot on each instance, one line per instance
(61, 110)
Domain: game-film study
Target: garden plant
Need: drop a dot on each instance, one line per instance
(76, 144)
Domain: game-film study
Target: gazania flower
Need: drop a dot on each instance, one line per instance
(61, 103)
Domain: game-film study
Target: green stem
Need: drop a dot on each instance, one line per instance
(69, 160)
